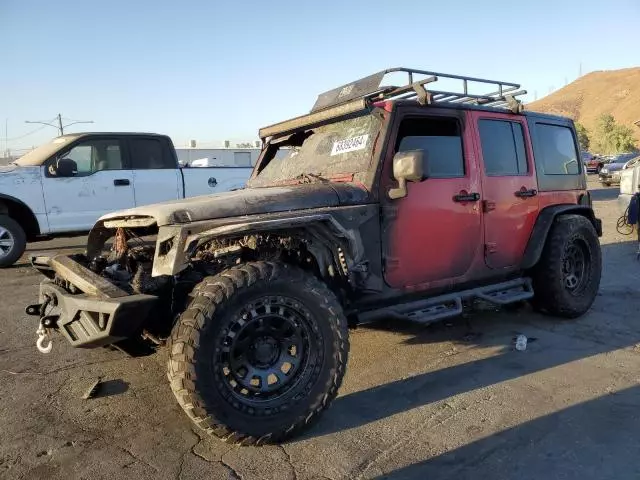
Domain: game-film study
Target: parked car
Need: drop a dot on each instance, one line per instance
(391, 202)
(610, 173)
(64, 186)
(595, 163)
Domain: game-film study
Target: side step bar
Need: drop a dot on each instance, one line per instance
(450, 304)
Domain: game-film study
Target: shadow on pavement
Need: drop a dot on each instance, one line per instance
(597, 439)
(552, 349)
(604, 193)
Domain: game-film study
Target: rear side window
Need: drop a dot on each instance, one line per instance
(558, 148)
(148, 153)
(440, 139)
(503, 150)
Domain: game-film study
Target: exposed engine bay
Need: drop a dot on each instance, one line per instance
(129, 261)
(128, 264)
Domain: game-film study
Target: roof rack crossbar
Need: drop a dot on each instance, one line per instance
(370, 88)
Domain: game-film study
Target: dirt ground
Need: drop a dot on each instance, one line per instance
(453, 400)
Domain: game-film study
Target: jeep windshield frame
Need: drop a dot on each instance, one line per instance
(338, 150)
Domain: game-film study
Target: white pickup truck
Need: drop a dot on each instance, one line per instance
(64, 186)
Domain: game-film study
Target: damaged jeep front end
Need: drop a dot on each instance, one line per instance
(87, 309)
(135, 277)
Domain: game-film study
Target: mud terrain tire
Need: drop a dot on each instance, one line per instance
(11, 232)
(567, 277)
(233, 336)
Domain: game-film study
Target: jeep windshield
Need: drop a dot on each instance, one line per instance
(339, 149)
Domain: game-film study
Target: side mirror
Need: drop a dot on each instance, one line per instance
(407, 167)
(65, 167)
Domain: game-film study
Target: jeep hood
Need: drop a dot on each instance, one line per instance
(248, 201)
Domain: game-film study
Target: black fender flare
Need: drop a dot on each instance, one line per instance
(541, 229)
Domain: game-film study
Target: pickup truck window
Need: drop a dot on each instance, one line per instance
(559, 152)
(503, 151)
(96, 155)
(149, 154)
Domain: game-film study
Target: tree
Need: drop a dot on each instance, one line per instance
(583, 136)
(613, 138)
(244, 145)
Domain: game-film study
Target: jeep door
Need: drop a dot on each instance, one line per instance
(432, 237)
(510, 201)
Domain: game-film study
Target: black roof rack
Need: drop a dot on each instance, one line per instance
(500, 95)
(357, 96)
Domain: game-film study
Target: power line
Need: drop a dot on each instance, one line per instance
(60, 126)
(25, 135)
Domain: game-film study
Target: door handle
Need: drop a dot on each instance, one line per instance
(524, 193)
(466, 197)
(121, 182)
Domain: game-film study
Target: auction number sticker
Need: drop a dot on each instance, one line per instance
(349, 144)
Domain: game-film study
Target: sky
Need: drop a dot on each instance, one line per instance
(210, 70)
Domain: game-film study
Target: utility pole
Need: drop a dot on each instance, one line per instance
(59, 126)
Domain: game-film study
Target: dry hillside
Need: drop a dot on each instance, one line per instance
(616, 92)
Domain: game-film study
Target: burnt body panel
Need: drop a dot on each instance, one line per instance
(248, 201)
(337, 227)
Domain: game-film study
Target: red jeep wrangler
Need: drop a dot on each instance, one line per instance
(385, 201)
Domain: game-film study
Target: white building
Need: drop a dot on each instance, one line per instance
(219, 157)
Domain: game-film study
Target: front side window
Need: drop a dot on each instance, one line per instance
(95, 155)
(440, 140)
(503, 150)
(558, 148)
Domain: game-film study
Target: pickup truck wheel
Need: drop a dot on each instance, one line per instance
(13, 241)
(259, 353)
(567, 277)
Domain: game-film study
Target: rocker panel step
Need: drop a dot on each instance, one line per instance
(450, 304)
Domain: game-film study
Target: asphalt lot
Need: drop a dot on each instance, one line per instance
(453, 400)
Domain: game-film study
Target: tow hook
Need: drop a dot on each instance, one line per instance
(43, 336)
(43, 343)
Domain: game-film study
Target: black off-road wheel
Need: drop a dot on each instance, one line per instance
(13, 241)
(567, 277)
(259, 353)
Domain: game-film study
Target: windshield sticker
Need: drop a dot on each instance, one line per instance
(349, 144)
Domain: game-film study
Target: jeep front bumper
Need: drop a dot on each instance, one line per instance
(88, 320)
